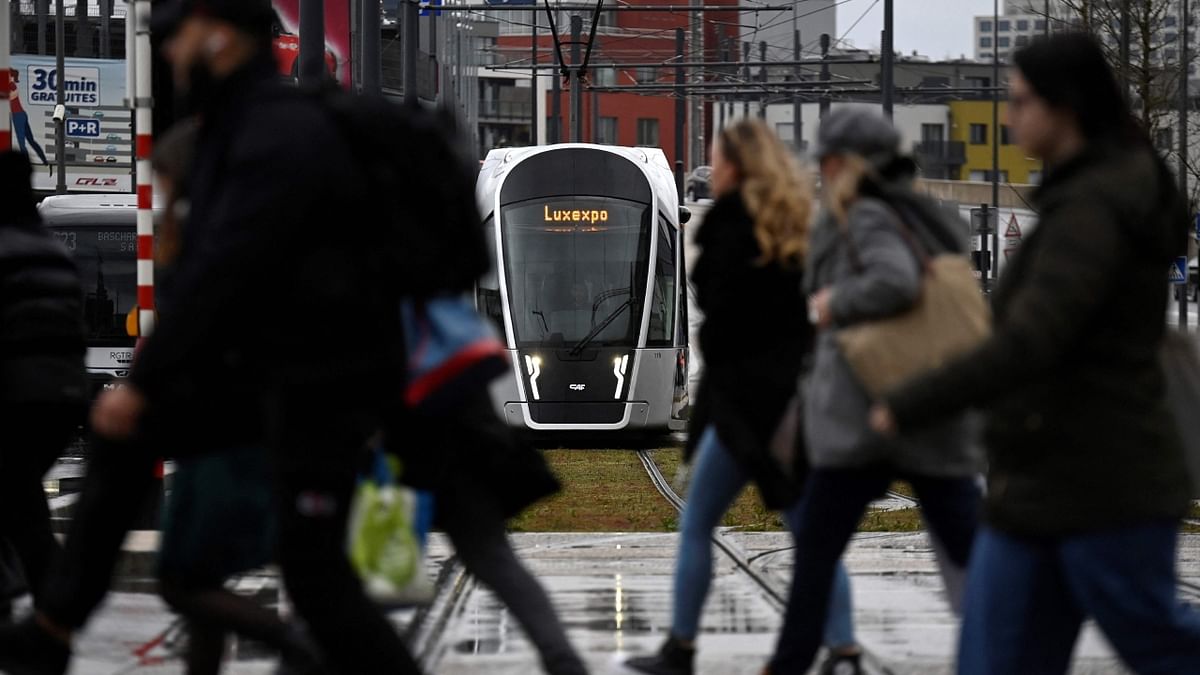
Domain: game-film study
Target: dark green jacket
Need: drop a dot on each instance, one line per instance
(1078, 434)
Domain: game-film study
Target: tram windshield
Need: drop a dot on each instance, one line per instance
(576, 270)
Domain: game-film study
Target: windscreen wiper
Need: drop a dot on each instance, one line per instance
(599, 328)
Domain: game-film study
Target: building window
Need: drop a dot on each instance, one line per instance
(786, 131)
(1170, 54)
(979, 134)
(1022, 25)
(1035, 177)
(1164, 138)
(985, 56)
(647, 131)
(1022, 40)
(985, 26)
(1003, 42)
(933, 133)
(606, 134)
(986, 176)
(1003, 26)
(985, 42)
(1039, 25)
(1005, 135)
(644, 75)
(1170, 37)
(1170, 21)
(603, 77)
(1003, 56)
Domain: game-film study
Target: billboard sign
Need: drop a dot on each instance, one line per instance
(99, 129)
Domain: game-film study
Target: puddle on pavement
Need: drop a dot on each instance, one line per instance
(605, 618)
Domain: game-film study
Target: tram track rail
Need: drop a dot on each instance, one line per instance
(774, 595)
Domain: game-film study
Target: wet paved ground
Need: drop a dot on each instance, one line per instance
(613, 592)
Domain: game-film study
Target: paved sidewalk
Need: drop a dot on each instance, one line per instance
(613, 592)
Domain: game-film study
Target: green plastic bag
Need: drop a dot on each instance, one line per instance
(383, 545)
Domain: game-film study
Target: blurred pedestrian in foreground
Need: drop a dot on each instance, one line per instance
(748, 282)
(257, 330)
(217, 520)
(43, 389)
(481, 474)
(1086, 481)
(863, 266)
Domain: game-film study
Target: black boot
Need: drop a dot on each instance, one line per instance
(842, 664)
(672, 659)
(28, 649)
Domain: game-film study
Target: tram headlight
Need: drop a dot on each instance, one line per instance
(533, 366)
(620, 365)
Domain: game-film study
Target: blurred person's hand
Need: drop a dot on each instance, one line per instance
(819, 311)
(883, 422)
(117, 412)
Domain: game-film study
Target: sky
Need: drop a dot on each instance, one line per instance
(935, 28)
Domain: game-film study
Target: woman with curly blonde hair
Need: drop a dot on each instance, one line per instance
(755, 339)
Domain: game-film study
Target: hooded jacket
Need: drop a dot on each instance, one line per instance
(1078, 434)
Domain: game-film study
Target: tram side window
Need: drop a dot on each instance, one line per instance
(662, 309)
(488, 290)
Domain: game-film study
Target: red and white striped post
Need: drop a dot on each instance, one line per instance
(5, 82)
(143, 105)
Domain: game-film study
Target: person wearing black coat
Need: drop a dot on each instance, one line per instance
(755, 339)
(43, 389)
(279, 319)
(1087, 482)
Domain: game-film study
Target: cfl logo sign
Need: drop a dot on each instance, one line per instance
(578, 387)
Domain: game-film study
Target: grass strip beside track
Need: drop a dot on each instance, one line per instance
(608, 491)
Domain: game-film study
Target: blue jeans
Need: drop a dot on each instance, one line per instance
(717, 479)
(1026, 600)
(833, 504)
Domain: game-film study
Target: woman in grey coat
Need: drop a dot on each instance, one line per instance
(863, 267)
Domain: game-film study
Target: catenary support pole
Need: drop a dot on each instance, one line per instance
(60, 70)
(824, 101)
(1184, 111)
(372, 48)
(797, 103)
(412, 39)
(888, 58)
(312, 42)
(680, 113)
(576, 81)
(996, 138)
(533, 79)
(745, 77)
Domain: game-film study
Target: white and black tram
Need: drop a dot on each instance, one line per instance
(588, 287)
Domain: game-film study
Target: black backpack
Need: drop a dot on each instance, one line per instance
(423, 183)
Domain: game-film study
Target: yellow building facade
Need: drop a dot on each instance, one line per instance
(971, 124)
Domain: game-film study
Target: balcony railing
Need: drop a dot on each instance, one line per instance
(505, 110)
(940, 153)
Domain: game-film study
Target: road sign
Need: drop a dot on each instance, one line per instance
(1014, 228)
(83, 128)
(1178, 273)
(425, 11)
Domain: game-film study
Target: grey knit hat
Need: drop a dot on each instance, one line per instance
(858, 131)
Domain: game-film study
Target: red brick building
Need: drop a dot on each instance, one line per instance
(621, 118)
